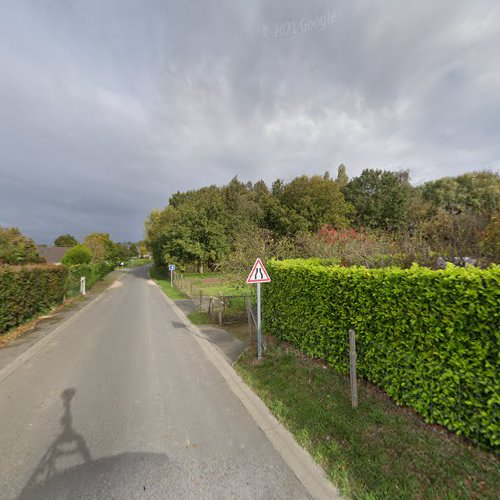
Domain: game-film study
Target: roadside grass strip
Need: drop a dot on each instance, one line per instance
(164, 283)
(379, 450)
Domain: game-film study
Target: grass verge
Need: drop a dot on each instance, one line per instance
(138, 262)
(379, 450)
(199, 318)
(164, 282)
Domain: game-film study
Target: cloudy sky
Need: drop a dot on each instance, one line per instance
(107, 107)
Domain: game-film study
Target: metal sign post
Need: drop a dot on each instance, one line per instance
(258, 275)
(171, 268)
(259, 325)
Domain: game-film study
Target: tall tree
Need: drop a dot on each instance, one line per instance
(65, 240)
(102, 247)
(311, 202)
(380, 198)
(192, 229)
(342, 177)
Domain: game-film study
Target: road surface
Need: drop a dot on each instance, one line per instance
(124, 403)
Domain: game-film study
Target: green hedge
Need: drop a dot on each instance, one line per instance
(92, 272)
(429, 338)
(28, 290)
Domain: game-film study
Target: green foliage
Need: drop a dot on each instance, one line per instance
(93, 272)
(15, 248)
(204, 228)
(477, 192)
(79, 254)
(102, 248)
(192, 229)
(342, 177)
(376, 451)
(28, 290)
(307, 203)
(491, 238)
(65, 240)
(380, 198)
(428, 338)
(451, 215)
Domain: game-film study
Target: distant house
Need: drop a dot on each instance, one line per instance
(52, 255)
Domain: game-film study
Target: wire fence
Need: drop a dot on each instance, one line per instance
(222, 309)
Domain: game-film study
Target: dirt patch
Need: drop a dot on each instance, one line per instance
(212, 281)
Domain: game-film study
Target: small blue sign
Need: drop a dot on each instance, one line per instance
(171, 267)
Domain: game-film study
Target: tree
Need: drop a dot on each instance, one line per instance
(380, 198)
(15, 248)
(342, 178)
(102, 247)
(309, 203)
(192, 229)
(491, 239)
(461, 213)
(475, 192)
(65, 240)
(79, 254)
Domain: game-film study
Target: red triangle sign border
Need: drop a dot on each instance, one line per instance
(264, 279)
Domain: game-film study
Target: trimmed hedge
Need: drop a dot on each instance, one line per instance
(28, 290)
(92, 272)
(430, 339)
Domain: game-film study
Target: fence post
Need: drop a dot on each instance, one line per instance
(352, 363)
(201, 298)
(211, 308)
(220, 308)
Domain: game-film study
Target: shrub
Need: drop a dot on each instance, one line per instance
(15, 248)
(428, 338)
(79, 254)
(92, 273)
(28, 290)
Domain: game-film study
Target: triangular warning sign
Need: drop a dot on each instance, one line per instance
(258, 274)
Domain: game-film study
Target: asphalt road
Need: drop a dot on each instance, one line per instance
(123, 403)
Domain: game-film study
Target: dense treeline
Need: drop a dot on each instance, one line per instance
(375, 219)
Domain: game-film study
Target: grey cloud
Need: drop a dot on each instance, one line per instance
(107, 108)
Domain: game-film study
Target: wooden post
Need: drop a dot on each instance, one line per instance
(201, 298)
(352, 363)
(191, 290)
(211, 308)
(220, 308)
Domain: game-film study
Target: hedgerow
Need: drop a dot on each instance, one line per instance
(92, 273)
(27, 290)
(428, 338)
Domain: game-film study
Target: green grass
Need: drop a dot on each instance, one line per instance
(200, 276)
(199, 318)
(164, 282)
(139, 262)
(226, 290)
(379, 450)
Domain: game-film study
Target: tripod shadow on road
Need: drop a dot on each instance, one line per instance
(67, 470)
(69, 445)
